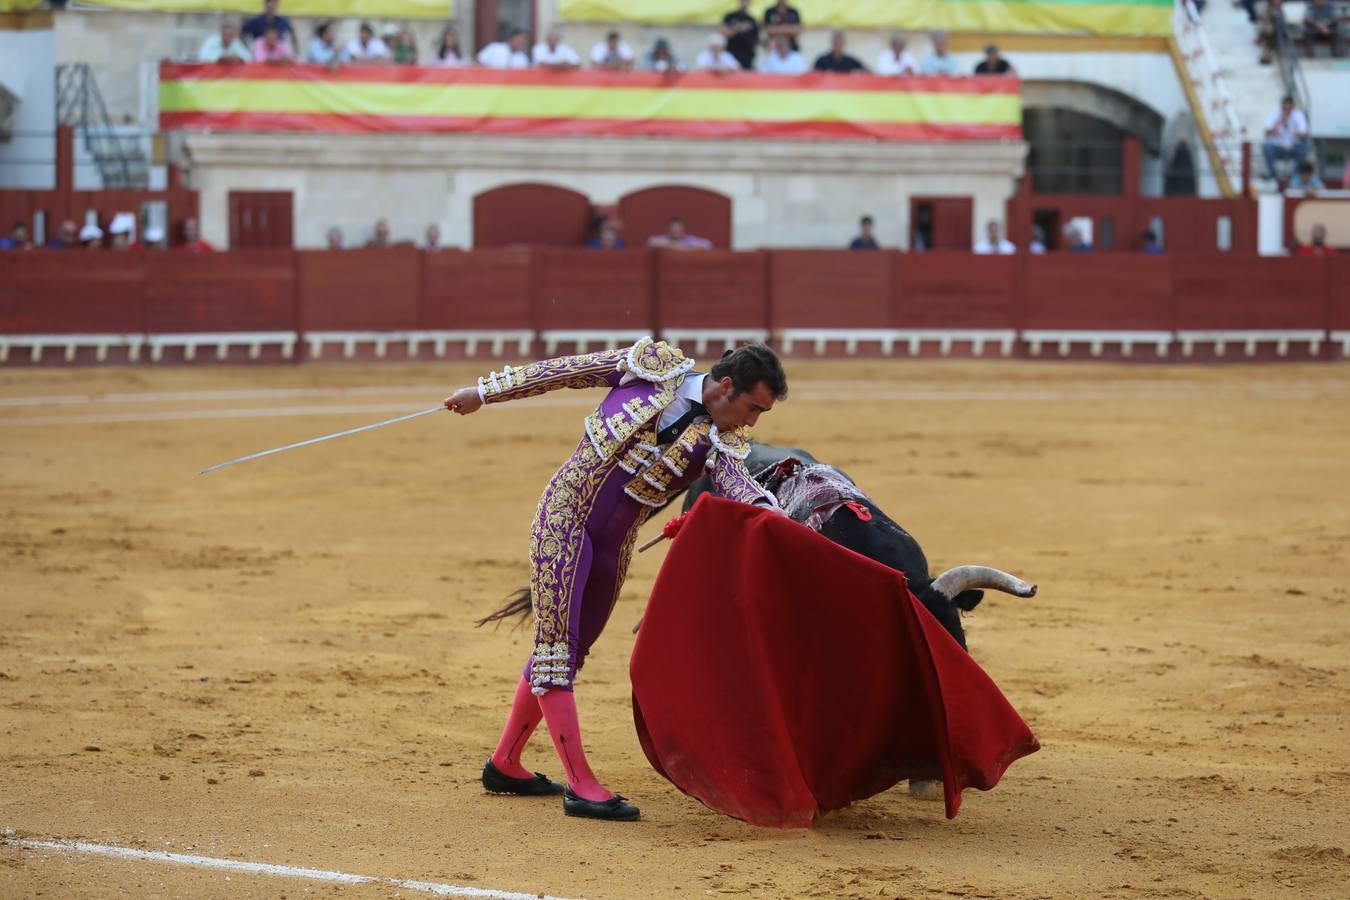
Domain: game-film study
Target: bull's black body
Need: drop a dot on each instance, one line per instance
(881, 539)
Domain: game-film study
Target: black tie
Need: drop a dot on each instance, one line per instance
(673, 431)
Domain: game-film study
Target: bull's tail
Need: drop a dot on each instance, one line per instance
(517, 606)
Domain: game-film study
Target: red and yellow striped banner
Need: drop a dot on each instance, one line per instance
(488, 101)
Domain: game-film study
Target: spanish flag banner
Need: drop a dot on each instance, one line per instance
(1138, 18)
(595, 103)
(338, 9)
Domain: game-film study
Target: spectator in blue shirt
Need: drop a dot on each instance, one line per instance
(1148, 243)
(323, 48)
(939, 61)
(1306, 180)
(18, 238)
(607, 239)
(257, 26)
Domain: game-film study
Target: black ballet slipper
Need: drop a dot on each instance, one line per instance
(615, 809)
(494, 782)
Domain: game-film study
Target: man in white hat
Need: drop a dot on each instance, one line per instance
(716, 58)
(122, 230)
(91, 237)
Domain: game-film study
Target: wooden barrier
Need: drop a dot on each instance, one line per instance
(712, 299)
(591, 298)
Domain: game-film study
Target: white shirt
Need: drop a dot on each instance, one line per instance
(499, 55)
(562, 55)
(1005, 248)
(723, 60)
(601, 54)
(792, 64)
(688, 393)
(1287, 132)
(890, 64)
(374, 50)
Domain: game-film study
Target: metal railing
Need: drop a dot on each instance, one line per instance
(1226, 133)
(79, 104)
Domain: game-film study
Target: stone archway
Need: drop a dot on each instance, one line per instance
(1075, 133)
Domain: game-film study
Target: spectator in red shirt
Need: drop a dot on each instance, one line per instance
(1318, 247)
(192, 238)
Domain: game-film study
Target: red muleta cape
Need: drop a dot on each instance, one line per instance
(778, 676)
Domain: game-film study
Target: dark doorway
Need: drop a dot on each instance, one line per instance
(1045, 227)
(1179, 179)
(494, 20)
(261, 220)
(1072, 153)
(940, 223)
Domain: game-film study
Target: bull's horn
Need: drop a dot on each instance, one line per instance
(965, 578)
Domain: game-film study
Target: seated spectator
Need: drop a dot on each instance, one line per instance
(865, 239)
(1305, 179)
(608, 238)
(1148, 243)
(323, 48)
(67, 237)
(783, 20)
(716, 58)
(676, 238)
(661, 59)
(742, 34)
(552, 53)
(91, 237)
(1318, 247)
(121, 231)
(507, 54)
(334, 238)
(1321, 25)
(192, 238)
(993, 63)
(782, 59)
(403, 48)
(18, 238)
(1074, 240)
(256, 27)
(994, 243)
(432, 241)
(447, 50)
(151, 239)
(1037, 245)
(896, 60)
(613, 54)
(837, 60)
(271, 50)
(366, 48)
(939, 61)
(380, 236)
(224, 47)
(1286, 137)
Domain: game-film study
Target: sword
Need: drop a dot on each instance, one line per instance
(326, 437)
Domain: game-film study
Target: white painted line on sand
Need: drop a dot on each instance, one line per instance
(253, 394)
(251, 868)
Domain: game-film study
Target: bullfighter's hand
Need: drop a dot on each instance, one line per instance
(464, 401)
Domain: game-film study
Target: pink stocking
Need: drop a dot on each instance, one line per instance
(560, 711)
(525, 715)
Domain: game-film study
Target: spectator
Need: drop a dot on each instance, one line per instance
(552, 53)
(661, 59)
(1318, 247)
(1268, 33)
(994, 243)
(255, 28)
(613, 54)
(993, 63)
(1074, 240)
(334, 238)
(1305, 179)
(380, 237)
(366, 47)
(939, 61)
(192, 238)
(271, 50)
(121, 231)
(1321, 25)
(18, 238)
(432, 241)
(837, 60)
(896, 60)
(608, 238)
(447, 50)
(151, 239)
(91, 237)
(323, 48)
(782, 59)
(1037, 245)
(781, 19)
(404, 47)
(676, 238)
(716, 58)
(865, 239)
(67, 237)
(1286, 136)
(1148, 243)
(225, 47)
(508, 54)
(742, 34)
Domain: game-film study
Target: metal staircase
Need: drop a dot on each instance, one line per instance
(122, 161)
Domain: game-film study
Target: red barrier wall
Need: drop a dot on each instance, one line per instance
(1109, 291)
(1339, 314)
(72, 292)
(953, 290)
(831, 288)
(608, 289)
(481, 289)
(712, 290)
(538, 214)
(1250, 292)
(251, 290)
(359, 290)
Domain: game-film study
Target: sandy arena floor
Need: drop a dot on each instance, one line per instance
(276, 663)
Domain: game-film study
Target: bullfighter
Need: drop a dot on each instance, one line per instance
(660, 426)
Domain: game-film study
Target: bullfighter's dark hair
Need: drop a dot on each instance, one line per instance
(750, 364)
